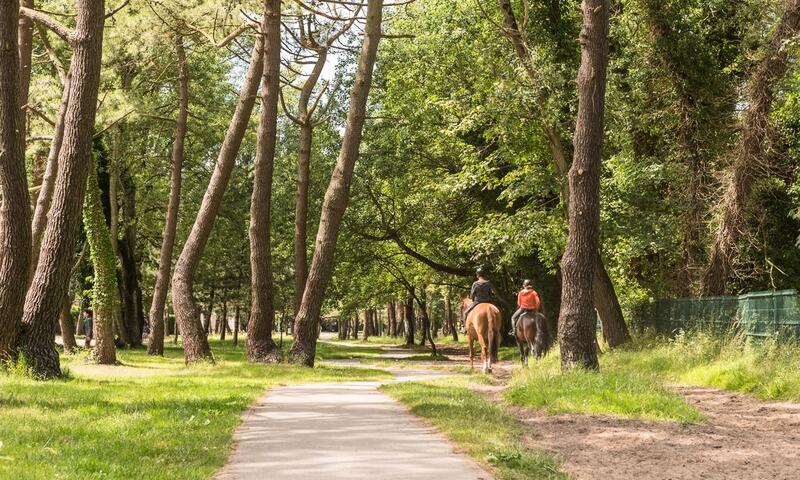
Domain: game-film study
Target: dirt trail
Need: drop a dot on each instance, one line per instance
(743, 438)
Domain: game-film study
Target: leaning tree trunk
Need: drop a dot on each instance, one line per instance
(50, 282)
(750, 161)
(156, 343)
(615, 330)
(304, 180)
(15, 235)
(576, 330)
(260, 347)
(45, 198)
(195, 343)
(336, 198)
(104, 263)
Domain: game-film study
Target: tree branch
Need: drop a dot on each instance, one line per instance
(57, 27)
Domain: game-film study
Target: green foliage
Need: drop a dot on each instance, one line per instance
(101, 252)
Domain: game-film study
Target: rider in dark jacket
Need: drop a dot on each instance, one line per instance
(482, 290)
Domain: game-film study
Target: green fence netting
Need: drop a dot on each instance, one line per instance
(756, 314)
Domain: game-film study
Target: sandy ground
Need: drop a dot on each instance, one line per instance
(743, 438)
(342, 431)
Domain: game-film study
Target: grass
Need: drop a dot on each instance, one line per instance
(150, 418)
(482, 428)
(613, 390)
(631, 380)
(769, 370)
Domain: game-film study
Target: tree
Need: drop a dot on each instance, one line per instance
(156, 317)
(336, 198)
(104, 264)
(615, 331)
(14, 211)
(187, 316)
(50, 281)
(750, 158)
(576, 330)
(260, 347)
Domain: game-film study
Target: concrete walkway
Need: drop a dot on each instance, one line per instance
(342, 431)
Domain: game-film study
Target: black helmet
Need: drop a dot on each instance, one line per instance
(527, 283)
(480, 272)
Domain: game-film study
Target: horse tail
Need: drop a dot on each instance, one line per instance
(544, 336)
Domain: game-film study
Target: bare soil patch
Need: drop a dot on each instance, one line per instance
(743, 438)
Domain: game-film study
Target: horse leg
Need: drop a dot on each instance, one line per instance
(491, 350)
(484, 350)
(521, 347)
(471, 345)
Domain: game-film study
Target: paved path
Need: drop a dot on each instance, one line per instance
(342, 431)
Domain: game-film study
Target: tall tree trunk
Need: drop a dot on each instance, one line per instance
(354, 332)
(450, 316)
(126, 248)
(576, 332)
(50, 282)
(105, 272)
(236, 319)
(14, 210)
(25, 48)
(605, 297)
(260, 347)
(750, 161)
(223, 321)
(409, 318)
(195, 343)
(45, 197)
(390, 318)
(336, 198)
(67, 326)
(367, 323)
(156, 343)
(304, 179)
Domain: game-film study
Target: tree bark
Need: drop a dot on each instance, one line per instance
(14, 210)
(50, 282)
(448, 311)
(223, 321)
(336, 198)
(45, 197)
(67, 326)
(260, 346)
(25, 48)
(195, 343)
(156, 343)
(577, 332)
(409, 319)
(236, 319)
(750, 161)
(132, 315)
(304, 179)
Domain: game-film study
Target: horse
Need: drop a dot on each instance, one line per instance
(533, 335)
(483, 324)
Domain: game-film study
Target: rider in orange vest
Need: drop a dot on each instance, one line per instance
(527, 301)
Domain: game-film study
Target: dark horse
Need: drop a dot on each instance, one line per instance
(533, 335)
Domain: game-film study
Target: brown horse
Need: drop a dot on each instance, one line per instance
(533, 336)
(483, 324)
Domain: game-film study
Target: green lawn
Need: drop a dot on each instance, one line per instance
(482, 428)
(150, 418)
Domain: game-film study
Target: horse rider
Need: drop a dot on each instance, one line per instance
(481, 291)
(527, 301)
